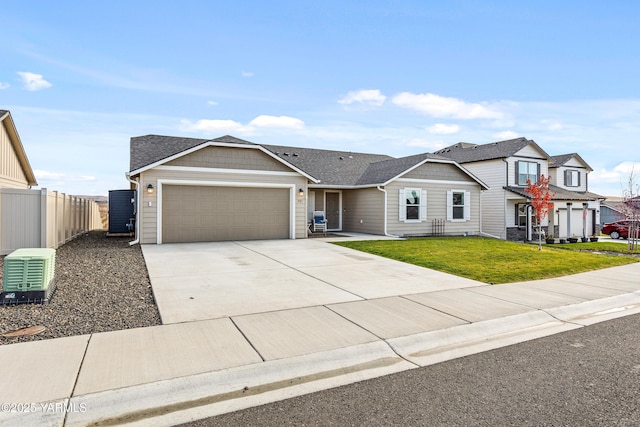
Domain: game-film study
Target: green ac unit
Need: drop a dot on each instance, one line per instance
(28, 275)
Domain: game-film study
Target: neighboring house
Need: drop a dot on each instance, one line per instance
(611, 210)
(15, 170)
(230, 189)
(505, 167)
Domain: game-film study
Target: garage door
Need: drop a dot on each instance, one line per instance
(209, 214)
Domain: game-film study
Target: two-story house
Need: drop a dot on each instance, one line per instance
(505, 166)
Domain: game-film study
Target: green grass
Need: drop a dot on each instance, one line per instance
(490, 260)
(620, 248)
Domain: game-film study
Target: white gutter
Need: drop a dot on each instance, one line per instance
(385, 212)
(138, 206)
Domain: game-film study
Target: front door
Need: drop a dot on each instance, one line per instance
(333, 210)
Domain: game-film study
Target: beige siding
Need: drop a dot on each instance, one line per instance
(531, 152)
(11, 173)
(493, 173)
(436, 209)
(363, 211)
(559, 178)
(230, 158)
(148, 214)
(511, 176)
(438, 171)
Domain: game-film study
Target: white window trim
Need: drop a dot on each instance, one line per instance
(467, 206)
(402, 205)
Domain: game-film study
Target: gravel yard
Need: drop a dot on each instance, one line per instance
(102, 285)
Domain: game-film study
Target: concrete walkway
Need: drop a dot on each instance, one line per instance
(246, 323)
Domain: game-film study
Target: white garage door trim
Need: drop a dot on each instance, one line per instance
(291, 187)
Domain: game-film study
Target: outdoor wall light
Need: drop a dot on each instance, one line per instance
(301, 193)
(150, 188)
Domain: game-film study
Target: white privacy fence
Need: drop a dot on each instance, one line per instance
(43, 219)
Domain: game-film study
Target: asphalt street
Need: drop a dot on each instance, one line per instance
(586, 377)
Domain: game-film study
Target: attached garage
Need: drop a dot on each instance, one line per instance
(208, 213)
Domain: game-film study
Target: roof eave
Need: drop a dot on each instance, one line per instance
(19, 149)
(212, 143)
(428, 160)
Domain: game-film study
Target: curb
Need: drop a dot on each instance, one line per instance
(176, 401)
(458, 341)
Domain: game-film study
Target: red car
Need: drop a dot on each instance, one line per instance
(618, 229)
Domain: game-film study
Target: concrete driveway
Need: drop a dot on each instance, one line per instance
(201, 281)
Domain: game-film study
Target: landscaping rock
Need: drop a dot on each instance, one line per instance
(102, 285)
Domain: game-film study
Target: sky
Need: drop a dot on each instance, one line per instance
(389, 77)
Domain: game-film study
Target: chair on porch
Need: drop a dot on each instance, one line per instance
(319, 222)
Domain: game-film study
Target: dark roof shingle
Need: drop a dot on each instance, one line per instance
(329, 167)
(464, 152)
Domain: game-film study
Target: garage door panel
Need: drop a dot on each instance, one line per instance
(211, 213)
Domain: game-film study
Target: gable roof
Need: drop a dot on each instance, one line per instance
(7, 120)
(562, 159)
(326, 167)
(464, 152)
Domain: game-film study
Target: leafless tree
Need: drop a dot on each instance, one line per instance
(631, 207)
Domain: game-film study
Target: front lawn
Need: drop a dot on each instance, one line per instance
(490, 260)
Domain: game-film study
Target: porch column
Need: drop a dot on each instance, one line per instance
(569, 234)
(584, 219)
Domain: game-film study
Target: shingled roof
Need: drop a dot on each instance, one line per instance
(149, 149)
(328, 167)
(562, 159)
(561, 194)
(464, 152)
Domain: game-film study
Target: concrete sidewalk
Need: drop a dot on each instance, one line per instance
(325, 316)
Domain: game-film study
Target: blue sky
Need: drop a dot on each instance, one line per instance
(392, 77)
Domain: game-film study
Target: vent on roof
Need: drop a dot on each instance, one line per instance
(295, 154)
(28, 276)
(286, 154)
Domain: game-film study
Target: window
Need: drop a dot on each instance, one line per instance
(413, 204)
(458, 205)
(521, 215)
(572, 178)
(527, 171)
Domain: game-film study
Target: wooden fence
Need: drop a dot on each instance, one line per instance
(43, 219)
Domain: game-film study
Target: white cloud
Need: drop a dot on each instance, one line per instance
(212, 103)
(284, 122)
(56, 177)
(429, 145)
(247, 74)
(443, 129)
(440, 106)
(552, 124)
(33, 81)
(370, 97)
(223, 126)
(4, 85)
(507, 134)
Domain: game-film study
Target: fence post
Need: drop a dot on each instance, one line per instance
(43, 218)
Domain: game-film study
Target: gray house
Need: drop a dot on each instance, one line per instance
(506, 208)
(231, 189)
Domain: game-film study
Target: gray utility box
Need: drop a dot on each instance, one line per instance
(29, 276)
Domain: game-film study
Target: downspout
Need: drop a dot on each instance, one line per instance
(385, 212)
(138, 205)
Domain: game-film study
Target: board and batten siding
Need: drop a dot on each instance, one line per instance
(148, 211)
(11, 173)
(230, 158)
(363, 211)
